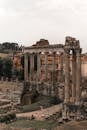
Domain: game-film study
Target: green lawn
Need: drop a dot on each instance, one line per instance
(49, 125)
(44, 101)
(34, 124)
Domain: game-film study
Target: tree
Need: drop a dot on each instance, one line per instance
(12, 46)
(1, 67)
(22, 61)
(7, 67)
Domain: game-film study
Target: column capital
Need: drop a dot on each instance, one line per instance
(61, 54)
(26, 53)
(73, 52)
(32, 53)
(54, 52)
(46, 53)
(38, 53)
(78, 51)
(67, 52)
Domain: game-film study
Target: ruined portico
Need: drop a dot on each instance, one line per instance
(60, 55)
(71, 44)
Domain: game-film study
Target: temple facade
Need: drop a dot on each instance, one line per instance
(55, 66)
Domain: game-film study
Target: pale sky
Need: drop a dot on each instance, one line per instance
(27, 21)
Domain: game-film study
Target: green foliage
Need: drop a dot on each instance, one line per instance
(22, 61)
(45, 101)
(21, 75)
(6, 70)
(7, 117)
(55, 100)
(48, 125)
(6, 67)
(18, 74)
(1, 67)
(6, 64)
(7, 47)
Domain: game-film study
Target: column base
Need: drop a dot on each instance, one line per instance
(52, 93)
(72, 99)
(66, 100)
(78, 103)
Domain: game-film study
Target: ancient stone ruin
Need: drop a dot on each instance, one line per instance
(49, 67)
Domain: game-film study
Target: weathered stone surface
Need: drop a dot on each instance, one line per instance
(42, 42)
(51, 68)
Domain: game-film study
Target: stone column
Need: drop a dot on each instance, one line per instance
(46, 65)
(60, 73)
(26, 67)
(38, 67)
(53, 73)
(73, 76)
(54, 54)
(78, 76)
(53, 67)
(67, 75)
(61, 61)
(31, 66)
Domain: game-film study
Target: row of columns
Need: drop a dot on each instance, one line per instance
(26, 55)
(76, 72)
(26, 73)
(60, 63)
(76, 76)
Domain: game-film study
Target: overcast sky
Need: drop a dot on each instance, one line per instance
(26, 21)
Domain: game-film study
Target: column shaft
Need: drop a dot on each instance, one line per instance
(78, 75)
(60, 72)
(54, 66)
(73, 76)
(46, 65)
(61, 61)
(38, 67)
(67, 76)
(31, 66)
(25, 67)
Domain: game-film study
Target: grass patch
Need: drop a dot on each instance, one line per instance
(44, 101)
(2, 111)
(34, 124)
